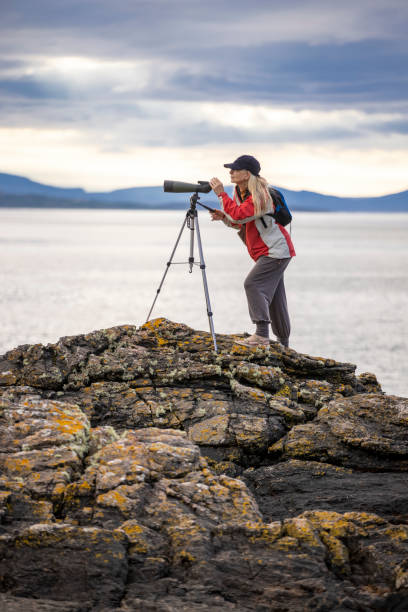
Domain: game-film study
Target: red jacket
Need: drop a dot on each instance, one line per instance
(272, 240)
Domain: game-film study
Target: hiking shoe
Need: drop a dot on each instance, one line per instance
(254, 341)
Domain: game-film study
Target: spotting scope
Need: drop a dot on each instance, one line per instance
(179, 187)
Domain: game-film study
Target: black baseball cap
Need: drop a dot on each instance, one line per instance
(245, 162)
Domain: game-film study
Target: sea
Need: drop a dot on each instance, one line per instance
(66, 272)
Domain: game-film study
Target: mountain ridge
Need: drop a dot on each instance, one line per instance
(18, 191)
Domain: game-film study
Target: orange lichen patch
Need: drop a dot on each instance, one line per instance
(332, 528)
(202, 340)
(18, 466)
(210, 431)
(140, 383)
(401, 576)
(364, 519)
(184, 555)
(130, 394)
(277, 448)
(4, 496)
(339, 555)
(15, 485)
(41, 535)
(85, 487)
(258, 395)
(178, 394)
(344, 389)
(44, 482)
(207, 395)
(221, 467)
(208, 475)
(318, 385)
(238, 503)
(239, 349)
(397, 532)
(41, 426)
(42, 510)
(186, 536)
(69, 536)
(137, 535)
(286, 544)
(284, 391)
(337, 524)
(302, 441)
(267, 534)
(154, 324)
(302, 530)
(68, 423)
(120, 499)
(8, 378)
(75, 491)
(132, 529)
(58, 490)
(249, 430)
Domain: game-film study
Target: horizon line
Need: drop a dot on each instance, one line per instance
(86, 191)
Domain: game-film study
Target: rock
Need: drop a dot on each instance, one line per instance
(9, 603)
(364, 431)
(43, 444)
(59, 561)
(142, 471)
(286, 489)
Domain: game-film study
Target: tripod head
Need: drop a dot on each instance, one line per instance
(194, 200)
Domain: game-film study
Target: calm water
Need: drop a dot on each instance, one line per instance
(65, 272)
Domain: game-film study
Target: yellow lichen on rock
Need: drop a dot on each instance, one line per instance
(211, 431)
(303, 530)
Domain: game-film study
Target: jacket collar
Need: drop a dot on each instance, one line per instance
(243, 196)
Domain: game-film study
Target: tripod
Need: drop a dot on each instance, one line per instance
(191, 220)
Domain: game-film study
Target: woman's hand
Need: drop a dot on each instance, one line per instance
(217, 215)
(216, 185)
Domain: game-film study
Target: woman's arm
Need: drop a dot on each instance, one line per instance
(219, 215)
(233, 212)
(242, 213)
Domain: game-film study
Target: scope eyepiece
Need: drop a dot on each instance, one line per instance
(180, 187)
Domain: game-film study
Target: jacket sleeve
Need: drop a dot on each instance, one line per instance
(238, 214)
(229, 223)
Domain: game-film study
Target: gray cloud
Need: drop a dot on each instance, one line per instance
(357, 74)
(31, 88)
(172, 25)
(304, 55)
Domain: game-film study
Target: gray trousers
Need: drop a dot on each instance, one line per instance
(265, 291)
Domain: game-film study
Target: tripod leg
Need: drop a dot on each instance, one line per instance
(191, 228)
(167, 269)
(207, 295)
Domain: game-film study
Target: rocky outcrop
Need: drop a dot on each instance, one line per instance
(142, 471)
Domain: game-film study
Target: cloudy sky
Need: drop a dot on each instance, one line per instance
(103, 94)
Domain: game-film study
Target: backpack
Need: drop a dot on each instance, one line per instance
(282, 214)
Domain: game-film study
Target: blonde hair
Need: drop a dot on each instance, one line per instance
(258, 188)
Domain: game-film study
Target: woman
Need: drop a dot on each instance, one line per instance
(268, 244)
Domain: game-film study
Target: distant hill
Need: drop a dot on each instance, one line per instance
(18, 191)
